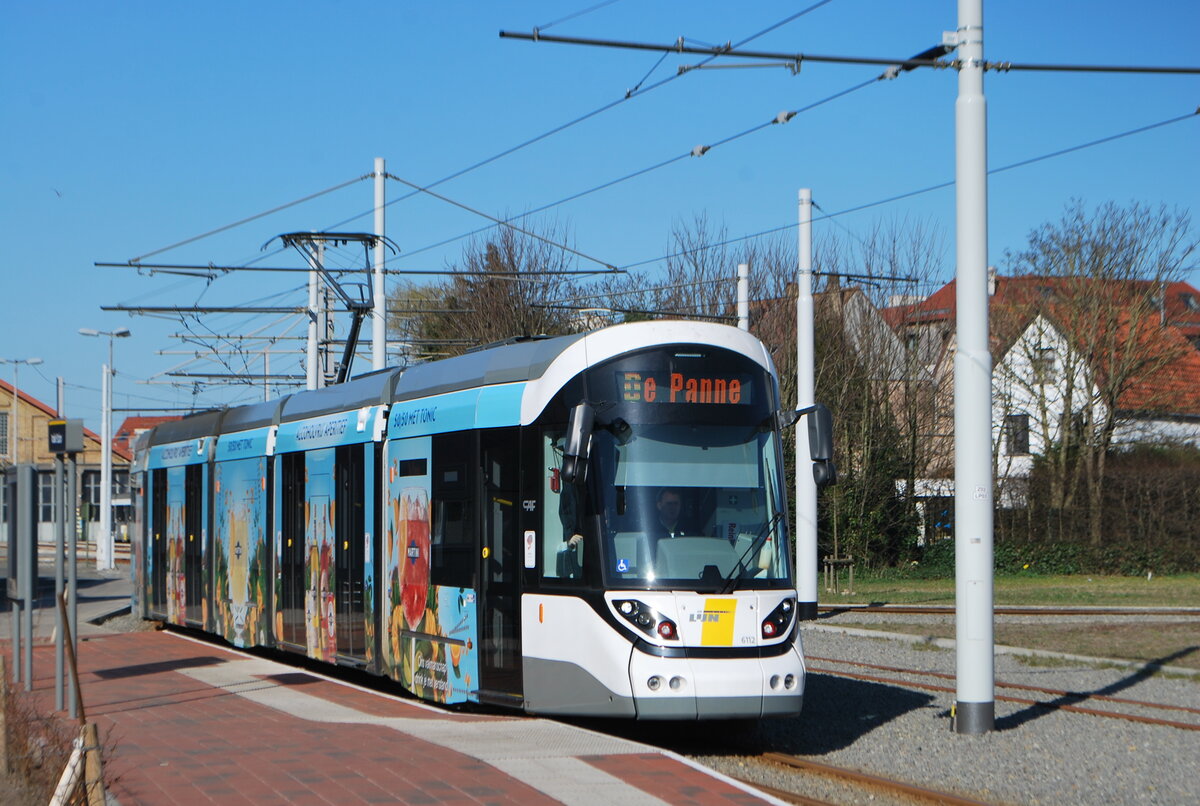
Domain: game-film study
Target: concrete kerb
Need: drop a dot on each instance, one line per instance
(1000, 649)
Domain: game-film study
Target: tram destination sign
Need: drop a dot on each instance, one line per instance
(685, 388)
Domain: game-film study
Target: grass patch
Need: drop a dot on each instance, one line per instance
(1172, 643)
(1099, 591)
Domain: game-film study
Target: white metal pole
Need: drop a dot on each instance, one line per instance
(324, 325)
(15, 449)
(974, 710)
(743, 295)
(310, 363)
(379, 315)
(806, 486)
(104, 538)
(13, 457)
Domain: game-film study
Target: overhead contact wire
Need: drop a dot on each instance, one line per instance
(927, 189)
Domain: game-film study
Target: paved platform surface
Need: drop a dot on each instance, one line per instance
(186, 722)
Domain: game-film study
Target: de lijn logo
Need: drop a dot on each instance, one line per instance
(706, 616)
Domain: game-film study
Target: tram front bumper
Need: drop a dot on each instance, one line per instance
(717, 688)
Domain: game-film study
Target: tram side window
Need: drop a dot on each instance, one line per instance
(562, 558)
(452, 536)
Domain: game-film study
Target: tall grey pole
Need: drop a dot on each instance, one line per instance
(974, 710)
(30, 591)
(72, 566)
(379, 315)
(806, 485)
(743, 296)
(60, 529)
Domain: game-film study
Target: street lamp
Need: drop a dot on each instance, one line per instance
(13, 450)
(104, 541)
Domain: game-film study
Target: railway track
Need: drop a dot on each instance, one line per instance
(875, 784)
(1003, 610)
(1066, 700)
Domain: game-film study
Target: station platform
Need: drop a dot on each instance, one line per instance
(187, 722)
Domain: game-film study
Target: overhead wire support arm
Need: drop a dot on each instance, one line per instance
(199, 309)
(798, 58)
(795, 59)
(198, 270)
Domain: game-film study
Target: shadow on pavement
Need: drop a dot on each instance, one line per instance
(156, 668)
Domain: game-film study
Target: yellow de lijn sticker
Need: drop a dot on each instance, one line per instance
(486, 552)
(717, 618)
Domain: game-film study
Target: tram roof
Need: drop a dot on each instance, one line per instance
(372, 389)
(505, 363)
(203, 424)
(253, 415)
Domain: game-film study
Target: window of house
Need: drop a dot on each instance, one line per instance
(4, 434)
(46, 497)
(1044, 364)
(120, 482)
(90, 499)
(1016, 434)
(1190, 302)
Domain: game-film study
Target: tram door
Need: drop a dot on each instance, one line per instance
(500, 619)
(193, 551)
(158, 542)
(291, 559)
(349, 529)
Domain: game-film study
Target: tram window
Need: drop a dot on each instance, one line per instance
(413, 467)
(452, 537)
(561, 558)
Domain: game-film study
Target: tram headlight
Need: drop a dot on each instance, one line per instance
(654, 683)
(646, 619)
(780, 619)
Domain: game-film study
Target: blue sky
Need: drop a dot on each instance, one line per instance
(131, 126)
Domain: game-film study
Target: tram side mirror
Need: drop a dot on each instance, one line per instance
(579, 442)
(820, 443)
(820, 433)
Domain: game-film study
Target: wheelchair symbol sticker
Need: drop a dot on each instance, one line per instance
(622, 565)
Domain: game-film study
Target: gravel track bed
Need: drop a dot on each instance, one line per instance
(1034, 756)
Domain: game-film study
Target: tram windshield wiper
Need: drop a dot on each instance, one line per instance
(752, 550)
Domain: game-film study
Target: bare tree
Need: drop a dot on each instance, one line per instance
(503, 287)
(1099, 345)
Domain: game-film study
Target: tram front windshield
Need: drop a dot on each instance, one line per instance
(690, 506)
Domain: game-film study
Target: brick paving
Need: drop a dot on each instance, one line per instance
(190, 723)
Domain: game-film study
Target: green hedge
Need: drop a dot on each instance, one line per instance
(936, 560)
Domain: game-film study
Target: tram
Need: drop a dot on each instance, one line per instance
(592, 524)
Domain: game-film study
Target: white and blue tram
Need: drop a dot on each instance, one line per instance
(494, 527)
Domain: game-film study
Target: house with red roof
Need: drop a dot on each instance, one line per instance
(24, 439)
(1116, 361)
